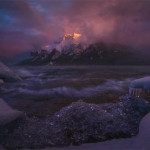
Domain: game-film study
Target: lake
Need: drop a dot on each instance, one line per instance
(46, 89)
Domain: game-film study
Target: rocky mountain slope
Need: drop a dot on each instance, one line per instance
(94, 54)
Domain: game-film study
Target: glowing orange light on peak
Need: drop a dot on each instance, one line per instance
(74, 36)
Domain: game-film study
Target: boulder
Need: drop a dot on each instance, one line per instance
(82, 123)
(7, 74)
(140, 142)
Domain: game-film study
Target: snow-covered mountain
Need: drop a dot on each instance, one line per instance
(70, 50)
(99, 53)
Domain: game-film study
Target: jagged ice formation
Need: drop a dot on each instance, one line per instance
(140, 87)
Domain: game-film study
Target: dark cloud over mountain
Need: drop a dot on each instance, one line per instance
(25, 24)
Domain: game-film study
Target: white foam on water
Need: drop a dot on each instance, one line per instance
(109, 85)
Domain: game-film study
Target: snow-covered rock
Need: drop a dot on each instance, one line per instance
(140, 142)
(7, 74)
(81, 122)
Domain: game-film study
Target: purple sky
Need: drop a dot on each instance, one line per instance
(28, 24)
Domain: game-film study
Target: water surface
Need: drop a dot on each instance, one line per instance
(46, 89)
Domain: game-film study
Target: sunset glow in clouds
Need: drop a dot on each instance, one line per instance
(28, 24)
(74, 36)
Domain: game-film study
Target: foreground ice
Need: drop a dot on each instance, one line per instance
(7, 114)
(79, 123)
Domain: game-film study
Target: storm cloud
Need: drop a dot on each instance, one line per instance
(28, 24)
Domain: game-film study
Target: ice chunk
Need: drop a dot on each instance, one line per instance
(140, 86)
(7, 114)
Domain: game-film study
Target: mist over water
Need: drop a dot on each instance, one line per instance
(68, 82)
(53, 87)
(68, 91)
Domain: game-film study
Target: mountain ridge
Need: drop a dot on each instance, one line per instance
(94, 54)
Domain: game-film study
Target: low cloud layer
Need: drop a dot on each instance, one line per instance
(28, 24)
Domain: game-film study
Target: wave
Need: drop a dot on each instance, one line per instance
(109, 85)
